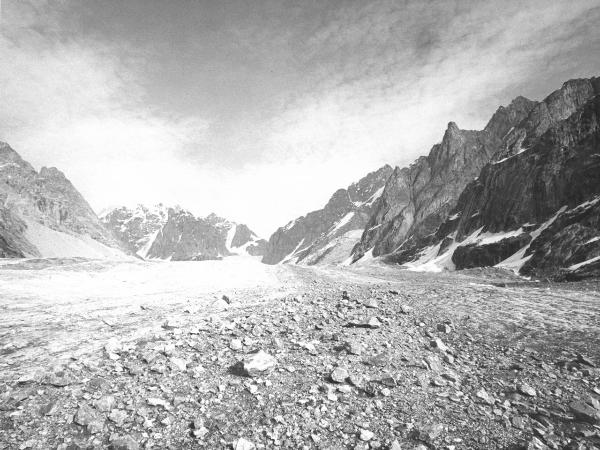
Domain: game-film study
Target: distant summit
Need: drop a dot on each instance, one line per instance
(327, 235)
(175, 234)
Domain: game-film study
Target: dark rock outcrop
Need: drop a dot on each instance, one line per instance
(328, 234)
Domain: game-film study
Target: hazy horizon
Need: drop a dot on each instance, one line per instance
(259, 111)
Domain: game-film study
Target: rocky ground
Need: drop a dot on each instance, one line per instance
(357, 358)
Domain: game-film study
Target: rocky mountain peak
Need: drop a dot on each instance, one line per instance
(52, 172)
(505, 118)
(452, 127)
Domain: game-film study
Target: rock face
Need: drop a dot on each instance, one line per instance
(417, 199)
(535, 206)
(327, 235)
(176, 234)
(43, 215)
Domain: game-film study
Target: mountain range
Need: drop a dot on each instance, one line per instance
(523, 193)
(173, 233)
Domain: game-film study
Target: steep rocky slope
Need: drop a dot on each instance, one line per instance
(535, 207)
(417, 199)
(42, 214)
(328, 234)
(176, 234)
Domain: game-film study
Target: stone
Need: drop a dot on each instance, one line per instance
(48, 409)
(444, 328)
(438, 344)
(484, 396)
(378, 360)
(395, 445)
(339, 375)
(405, 309)
(172, 323)
(117, 416)
(433, 363)
(243, 444)
(256, 364)
(429, 433)
(90, 418)
(153, 401)
(200, 432)
(236, 345)
(123, 443)
(356, 380)
(518, 422)
(353, 347)
(105, 403)
(371, 303)
(366, 435)
(373, 323)
(526, 389)
(584, 412)
(585, 360)
(178, 363)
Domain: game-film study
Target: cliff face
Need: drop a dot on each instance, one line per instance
(417, 199)
(328, 234)
(42, 214)
(534, 208)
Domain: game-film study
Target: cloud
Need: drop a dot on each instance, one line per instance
(315, 95)
(388, 76)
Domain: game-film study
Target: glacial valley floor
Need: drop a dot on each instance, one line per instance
(151, 355)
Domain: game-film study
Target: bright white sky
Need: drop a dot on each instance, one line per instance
(260, 110)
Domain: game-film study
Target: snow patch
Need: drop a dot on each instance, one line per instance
(597, 238)
(490, 238)
(143, 252)
(516, 261)
(343, 221)
(584, 263)
(291, 255)
(230, 236)
(290, 225)
(2, 166)
(375, 196)
(429, 261)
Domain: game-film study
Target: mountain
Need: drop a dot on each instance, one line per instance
(534, 206)
(417, 199)
(172, 233)
(327, 235)
(43, 215)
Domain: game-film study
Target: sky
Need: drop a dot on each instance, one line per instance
(259, 110)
